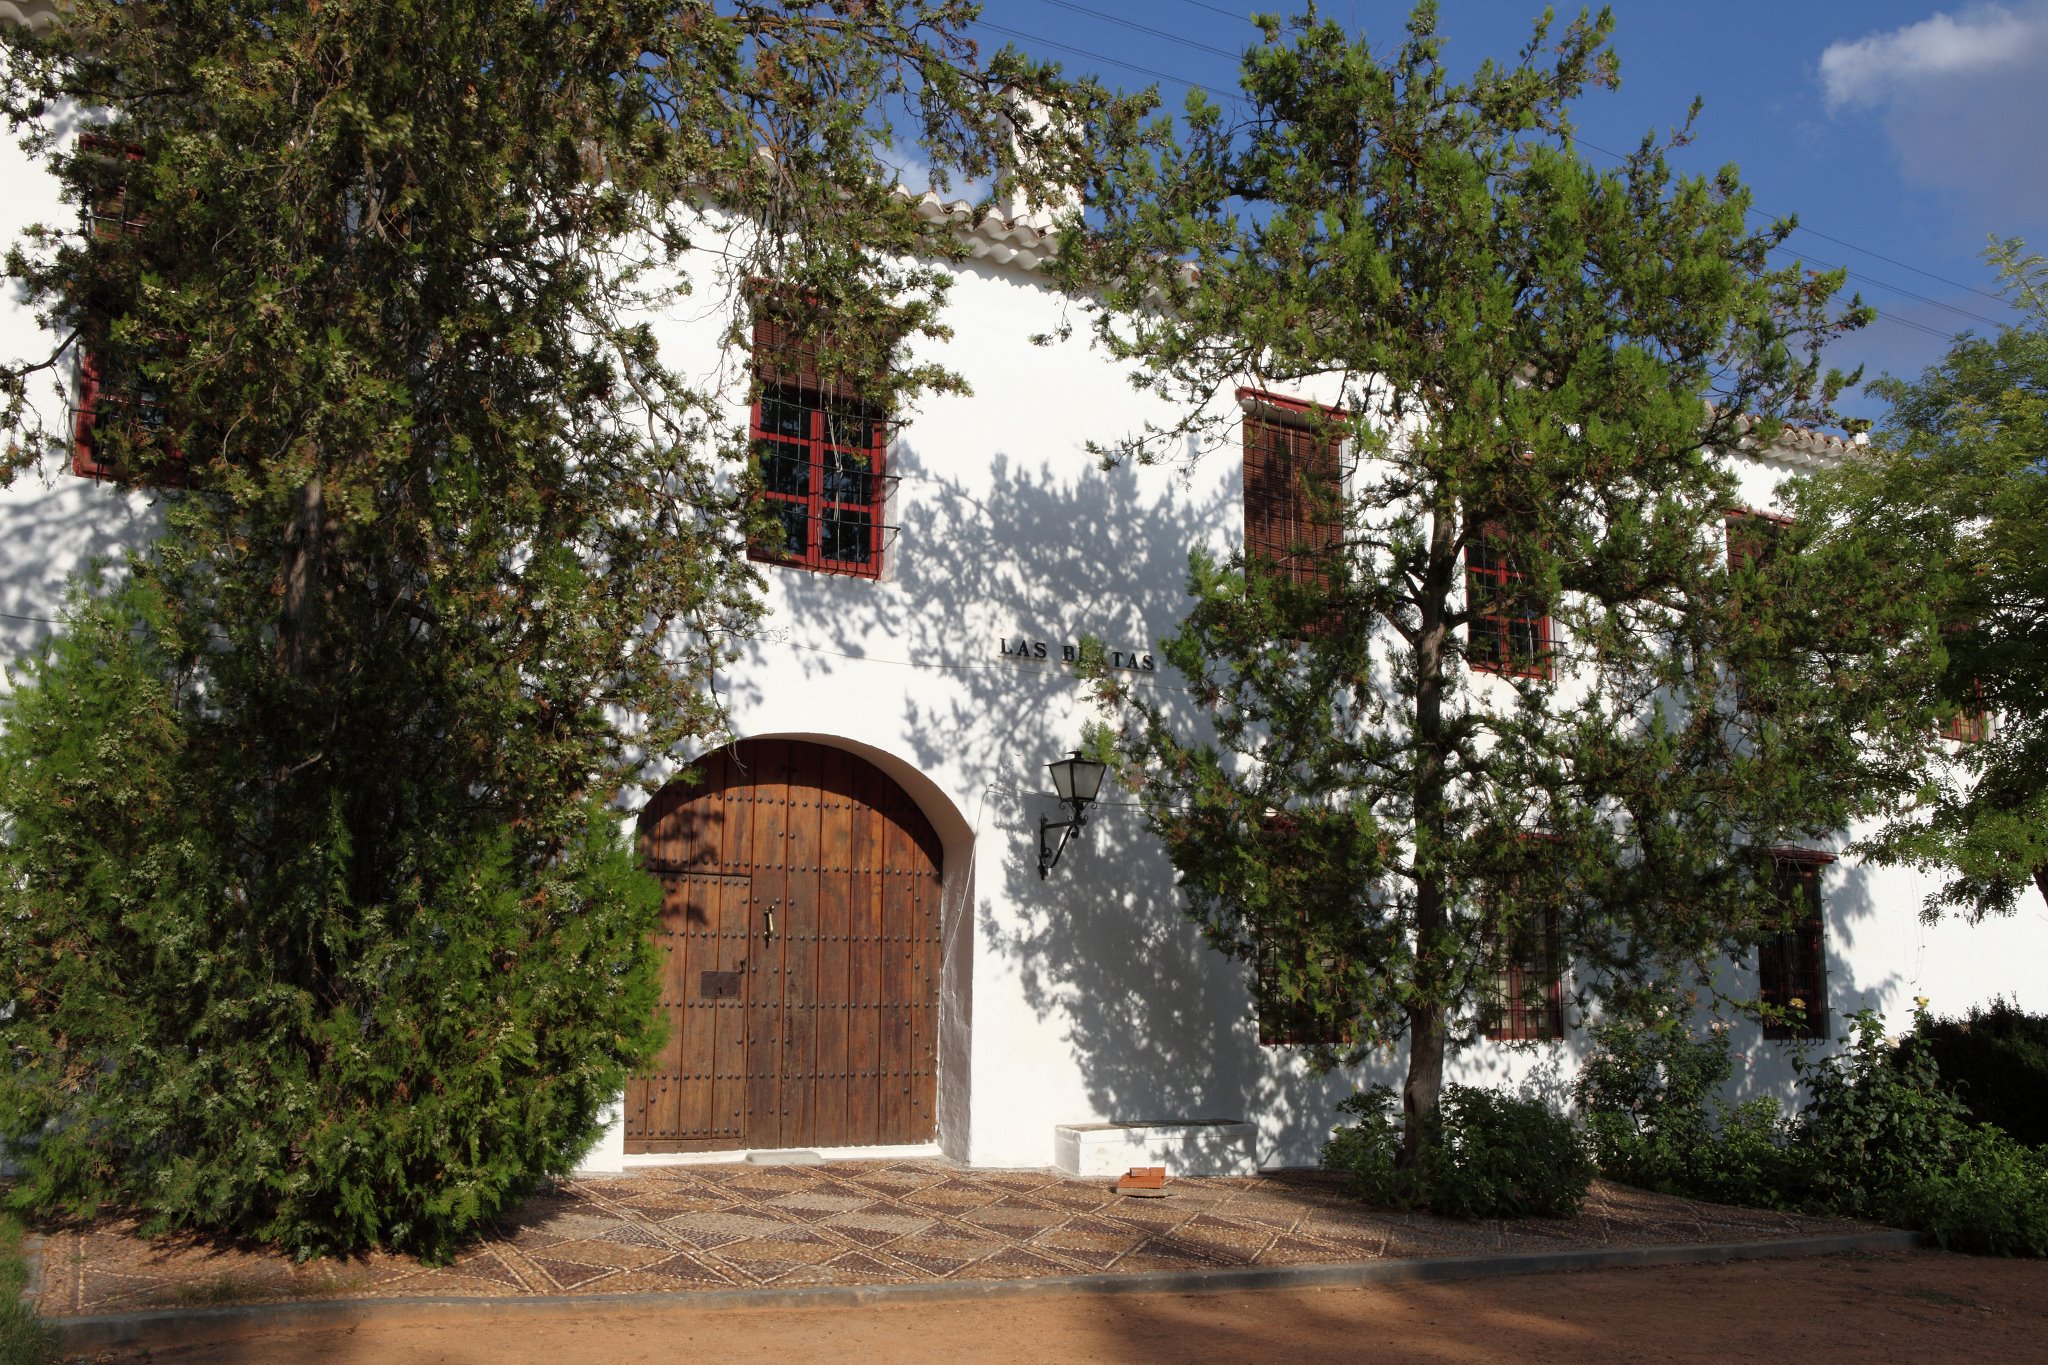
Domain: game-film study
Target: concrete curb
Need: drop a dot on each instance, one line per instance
(167, 1327)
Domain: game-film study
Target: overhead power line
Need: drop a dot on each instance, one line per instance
(1942, 279)
(1098, 57)
(1233, 97)
(1217, 9)
(1182, 39)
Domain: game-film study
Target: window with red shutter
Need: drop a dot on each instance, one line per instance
(109, 166)
(1509, 629)
(1754, 545)
(1753, 537)
(821, 449)
(1967, 727)
(1791, 964)
(1293, 496)
(1971, 725)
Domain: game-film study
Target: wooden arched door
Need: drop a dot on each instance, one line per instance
(800, 929)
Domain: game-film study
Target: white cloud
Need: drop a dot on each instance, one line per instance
(1981, 40)
(1962, 98)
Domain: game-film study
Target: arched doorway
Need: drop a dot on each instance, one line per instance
(800, 929)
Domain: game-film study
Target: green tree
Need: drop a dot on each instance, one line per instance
(316, 926)
(1953, 499)
(1395, 777)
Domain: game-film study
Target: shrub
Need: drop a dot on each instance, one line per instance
(1993, 1201)
(1489, 1155)
(1651, 1095)
(300, 1053)
(1647, 1089)
(1879, 1137)
(1997, 1061)
(1745, 1159)
(1878, 1121)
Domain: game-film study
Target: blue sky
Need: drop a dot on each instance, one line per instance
(1904, 132)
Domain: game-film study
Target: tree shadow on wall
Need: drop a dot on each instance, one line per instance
(53, 526)
(1158, 1024)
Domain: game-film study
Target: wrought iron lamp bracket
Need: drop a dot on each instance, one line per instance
(1049, 852)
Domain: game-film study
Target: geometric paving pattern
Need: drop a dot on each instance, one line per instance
(684, 1228)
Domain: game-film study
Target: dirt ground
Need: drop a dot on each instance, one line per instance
(1918, 1307)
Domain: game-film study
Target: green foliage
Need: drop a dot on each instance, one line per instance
(1997, 1061)
(304, 1064)
(1651, 1095)
(1520, 346)
(1879, 1137)
(1992, 1200)
(25, 1338)
(1952, 503)
(1489, 1155)
(1877, 1119)
(315, 926)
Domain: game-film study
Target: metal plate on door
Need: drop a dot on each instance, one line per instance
(720, 985)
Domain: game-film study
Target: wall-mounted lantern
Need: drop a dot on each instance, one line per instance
(1078, 781)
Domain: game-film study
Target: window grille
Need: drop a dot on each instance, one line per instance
(1508, 631)
(821, 451)
(1525, 1001)
(1791, 961)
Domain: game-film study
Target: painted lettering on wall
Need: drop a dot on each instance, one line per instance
(1019, 647)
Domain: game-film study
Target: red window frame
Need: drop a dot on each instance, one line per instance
(98, 402)
(1967, 727)
(821, 450)
(1514, 641)
(1791, 964)
(1526, 1004)
(1972, 726)
(1293, 493)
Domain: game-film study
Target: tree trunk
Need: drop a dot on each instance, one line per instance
(1426, 1031)
(300, 572)
(1425, 1083)
(2041, 880)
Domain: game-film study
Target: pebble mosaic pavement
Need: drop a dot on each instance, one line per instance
(671, 1229)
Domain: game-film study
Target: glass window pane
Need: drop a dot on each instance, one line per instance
(846, 477)
(847, 536)
(795, 528)
(851, 423)
(786, 469)
(783, 415)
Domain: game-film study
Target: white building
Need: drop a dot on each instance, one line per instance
(864, 952)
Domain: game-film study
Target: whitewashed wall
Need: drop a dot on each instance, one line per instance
(1087, 996)
(52, 524)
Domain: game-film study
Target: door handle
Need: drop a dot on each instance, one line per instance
(770, 932)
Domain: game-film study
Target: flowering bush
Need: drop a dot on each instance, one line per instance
(1651, 1095)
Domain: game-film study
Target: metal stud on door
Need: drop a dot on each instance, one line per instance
(837, 944)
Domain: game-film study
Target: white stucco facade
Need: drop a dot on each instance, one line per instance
(1087, 997)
